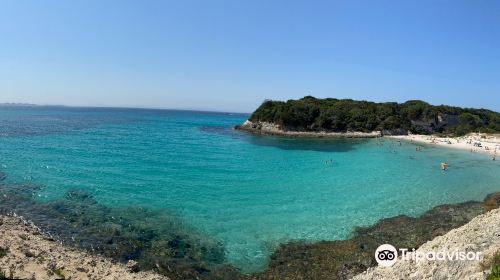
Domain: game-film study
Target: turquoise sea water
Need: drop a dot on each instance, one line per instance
(248, 192)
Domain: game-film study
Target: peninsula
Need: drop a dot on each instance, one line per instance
(330, 117)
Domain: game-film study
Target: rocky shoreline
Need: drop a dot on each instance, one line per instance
(47, 248)
(26, 253)
(156, 240)
(266, 128)
(482, 234)
(344, 259)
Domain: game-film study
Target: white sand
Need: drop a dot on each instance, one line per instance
(490, 144)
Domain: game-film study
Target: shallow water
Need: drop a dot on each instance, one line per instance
(247, 192)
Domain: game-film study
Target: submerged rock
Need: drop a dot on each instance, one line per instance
(156, 240)
(346, 258)
(153, 239)
(492, 201)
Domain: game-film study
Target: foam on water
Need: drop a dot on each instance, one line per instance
(248, 192)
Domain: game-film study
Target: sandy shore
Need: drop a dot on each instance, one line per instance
(490, 144)
(27, 254)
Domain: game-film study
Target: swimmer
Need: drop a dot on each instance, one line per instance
(444, 166)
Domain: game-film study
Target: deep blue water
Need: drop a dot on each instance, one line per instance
(248, 192)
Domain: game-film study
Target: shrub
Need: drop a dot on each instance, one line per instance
(495, 269)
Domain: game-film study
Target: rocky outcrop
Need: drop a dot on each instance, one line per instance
(427, 126)
(433, 125)
(25, 253)
(394, 132)
(344, 259)
(267, 128)
(482, 234)
(260, 127)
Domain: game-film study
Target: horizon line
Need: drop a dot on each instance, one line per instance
(208, 110)
(21, 104)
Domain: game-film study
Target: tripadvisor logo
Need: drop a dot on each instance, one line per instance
(387, 255)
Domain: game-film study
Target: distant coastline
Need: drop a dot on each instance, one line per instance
(18, 105)
(105, 107)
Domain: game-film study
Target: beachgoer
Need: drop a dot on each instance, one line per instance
(444, 166)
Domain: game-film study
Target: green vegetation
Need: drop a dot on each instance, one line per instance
(59, 273)
(3, 252)
(341, 115)
(4, 276)
(495, 269)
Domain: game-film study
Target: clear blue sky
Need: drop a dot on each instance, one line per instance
(231, 55)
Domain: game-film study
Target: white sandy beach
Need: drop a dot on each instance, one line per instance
(489, 144)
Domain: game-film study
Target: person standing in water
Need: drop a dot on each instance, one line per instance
(444, 166)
